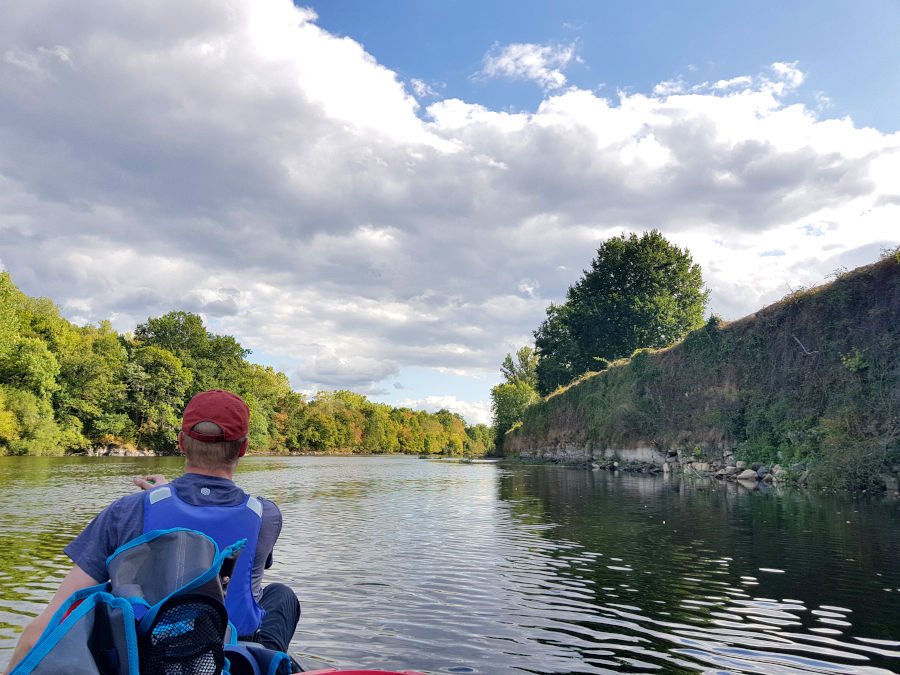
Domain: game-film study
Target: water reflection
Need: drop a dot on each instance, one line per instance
(448, 568)
(698, 557)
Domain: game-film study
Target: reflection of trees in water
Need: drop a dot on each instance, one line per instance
(692, 555)
(44, 503)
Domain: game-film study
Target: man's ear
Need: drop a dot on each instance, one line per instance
(181, 442)
(244, 447)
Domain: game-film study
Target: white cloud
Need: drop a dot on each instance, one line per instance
(529, 287)
(477, 412)
(236, 160)
(522, 61)
(788, 73)
(422, 89)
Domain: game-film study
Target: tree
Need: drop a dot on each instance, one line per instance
(509, 401)
(639, 292)
(157, 386)
(480, 440)
(523, 368)
(215, 361)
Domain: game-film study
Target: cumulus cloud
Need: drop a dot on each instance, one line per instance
(523, 61)
(236, 160)
(478, 412)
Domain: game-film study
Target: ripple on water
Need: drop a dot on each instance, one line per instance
(471, 568)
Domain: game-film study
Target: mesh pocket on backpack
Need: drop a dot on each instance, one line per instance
(186, 638)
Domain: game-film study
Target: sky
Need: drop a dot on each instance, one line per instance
(386, 196)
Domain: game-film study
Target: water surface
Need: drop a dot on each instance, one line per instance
(449, 567)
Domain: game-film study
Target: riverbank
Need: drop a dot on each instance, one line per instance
(812, 380)
(132, 451)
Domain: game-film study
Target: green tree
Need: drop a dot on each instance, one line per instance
(453, 436)
(31, 366)
(320, 431)
(215, 361)
(509, 401)
(480, 440)
(10, 328)
(521, 369)
(91, 382)
(639, 292)
(157, 386)
(9, 425)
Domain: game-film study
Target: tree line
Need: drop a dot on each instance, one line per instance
(639, 292)
(67, 388)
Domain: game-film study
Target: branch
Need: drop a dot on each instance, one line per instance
(805, 350)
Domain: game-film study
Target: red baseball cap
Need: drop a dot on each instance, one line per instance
(221, 407)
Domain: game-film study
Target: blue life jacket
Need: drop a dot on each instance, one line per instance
(163, 508)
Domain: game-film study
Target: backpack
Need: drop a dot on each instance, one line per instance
(161, 613)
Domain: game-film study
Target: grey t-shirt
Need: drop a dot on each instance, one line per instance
(123, 520)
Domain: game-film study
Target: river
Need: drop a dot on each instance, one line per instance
(450, 567)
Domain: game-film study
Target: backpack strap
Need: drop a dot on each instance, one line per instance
(251, 658)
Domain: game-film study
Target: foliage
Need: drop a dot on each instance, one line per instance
(845, 460)
(639, 292)
(67, 388)
(214, 360)
(521, 369)
(510, 400)
(854, 361)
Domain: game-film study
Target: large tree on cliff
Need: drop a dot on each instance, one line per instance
(639, 292)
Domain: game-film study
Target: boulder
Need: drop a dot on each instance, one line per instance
(730, 470)
(741, 465)
(748, 474)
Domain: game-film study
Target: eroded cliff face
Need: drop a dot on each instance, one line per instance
(814, 377)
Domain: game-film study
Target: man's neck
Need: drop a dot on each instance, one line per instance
(220, 472)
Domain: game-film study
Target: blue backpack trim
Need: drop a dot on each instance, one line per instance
(260, 660)
(58, 629)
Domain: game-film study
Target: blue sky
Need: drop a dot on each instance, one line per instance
(385, 196)
(848, 51)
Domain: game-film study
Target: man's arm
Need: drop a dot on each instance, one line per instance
(75, 580)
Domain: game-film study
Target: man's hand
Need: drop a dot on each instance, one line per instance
(149, 482)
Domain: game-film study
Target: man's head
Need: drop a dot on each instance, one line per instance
(214, 429)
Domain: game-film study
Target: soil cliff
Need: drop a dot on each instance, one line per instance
(812, 379)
